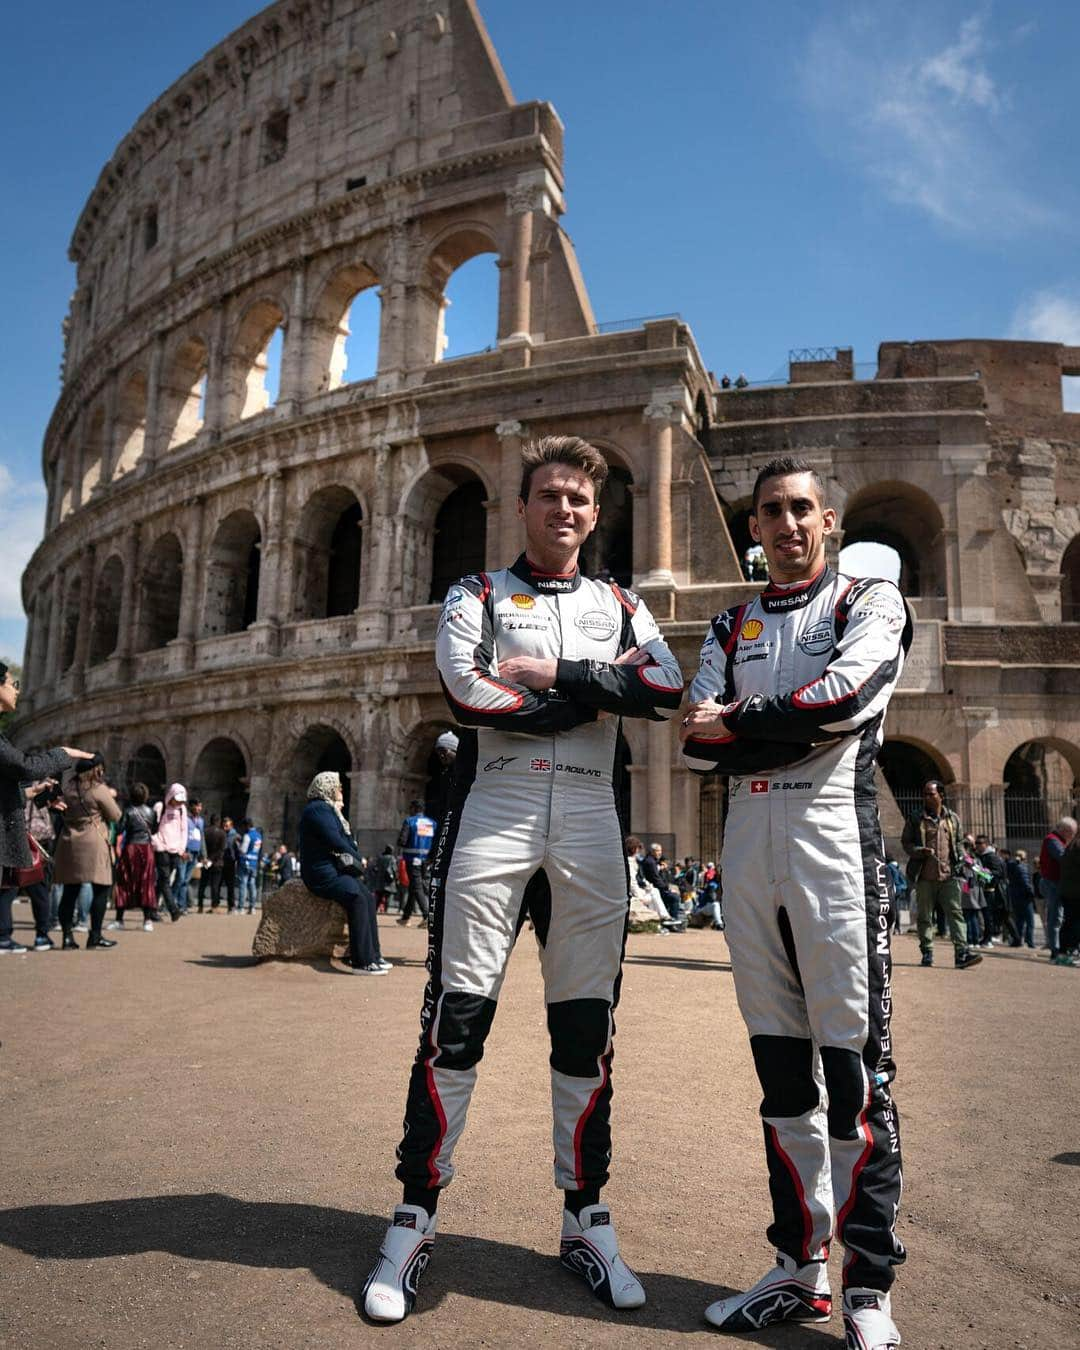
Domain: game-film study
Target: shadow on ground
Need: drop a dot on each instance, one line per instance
(337, 1246)
(1069, 1159)
(675, 962)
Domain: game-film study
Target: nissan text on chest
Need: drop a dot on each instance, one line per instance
(538, 664)
(789, 702)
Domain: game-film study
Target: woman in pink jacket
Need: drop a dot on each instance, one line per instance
(169, 842)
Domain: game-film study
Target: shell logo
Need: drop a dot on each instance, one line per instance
(523, 601)
(751, 629)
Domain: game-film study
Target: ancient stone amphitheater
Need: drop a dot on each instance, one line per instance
(245, 552)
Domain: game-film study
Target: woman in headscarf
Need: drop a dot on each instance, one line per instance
(330, 868)
(84, 852)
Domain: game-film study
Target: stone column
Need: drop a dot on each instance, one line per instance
(269, 610)
(56, 622)
(510, 530)
(217, 373)
(154, 437)
(188, 628)
(397, 326)
(292, 392)
(108, 433)
(78, 459)
(659, 778)
(661, 414)
(516, 277)
(129, 553)
(86, 617)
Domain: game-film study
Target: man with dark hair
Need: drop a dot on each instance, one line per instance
(790, 702)
(932, 840)
(538, 664)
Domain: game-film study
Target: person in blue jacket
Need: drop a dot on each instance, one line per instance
(415, 840)
(330, 868)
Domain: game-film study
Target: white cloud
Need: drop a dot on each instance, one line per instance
(922, 116)
(22, 523)
(1051, 316)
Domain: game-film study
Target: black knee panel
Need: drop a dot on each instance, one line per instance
(845, 1086)
(785, 1070)
(579, 1035)
(464, 1022)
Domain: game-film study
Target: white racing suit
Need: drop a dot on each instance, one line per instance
(531, 827)
(808, 672)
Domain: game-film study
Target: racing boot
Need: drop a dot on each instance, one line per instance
(590, 1249)
(868, 1323)
(390, 1289)
(787, 1293)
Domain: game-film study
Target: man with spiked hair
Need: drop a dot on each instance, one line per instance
(538, 663)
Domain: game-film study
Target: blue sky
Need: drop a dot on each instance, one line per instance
(785, 175)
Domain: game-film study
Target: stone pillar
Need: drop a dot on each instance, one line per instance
(659, 778)
(56, 623)
(510, 529)
(129, 553)
(269, 610)
(660, 416)
(86, 617)
(217, 373)
(108, 433)
(515, 279)
(154, 438)
(78, 459)
(291, 391)
(190, 587)
(396, 325)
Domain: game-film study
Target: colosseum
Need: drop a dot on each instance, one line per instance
(245, 552)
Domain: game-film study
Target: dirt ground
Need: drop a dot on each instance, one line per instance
(199, 1152)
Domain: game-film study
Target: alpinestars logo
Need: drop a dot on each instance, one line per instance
(775, 1306)
(579, 1257)
(499, 764)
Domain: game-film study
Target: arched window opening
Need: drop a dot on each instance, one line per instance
(105, 630)
(320, 749)
(183, 393)
(93, 455)
(738, 523)
(608, 553)
(460, 542)
(1040, 787)
(131, 424)
(258, 357)
(355, 354)
(906, 768)
(69, 633)
(874, 558)
(907, 521)
(469, 317)
(159, 595)
(1070, 583)
(232, 581)
(147, 765)
(329, 547)
(712, 808)
(220, 779)
(701, 417)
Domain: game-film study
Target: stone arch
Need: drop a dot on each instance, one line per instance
(105, 626)
(130, 423)
(247, 364)
(443, 525)
(220, 778)
(159, 594)
(456, 245)
(906, 764)
(422, 775)
(94, 468)
(69, 625)
(65, 482)
(147, 764)
(1070, 582)
(1042, 783)
(232, 575)
(322, 746)
(328, 554)
(183, 391)
(330, 329)
(906, 519)
(608, 553)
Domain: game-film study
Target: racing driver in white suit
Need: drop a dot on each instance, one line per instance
(789, 702)
(538, 663)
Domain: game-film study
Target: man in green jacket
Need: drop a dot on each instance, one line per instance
(932, 842)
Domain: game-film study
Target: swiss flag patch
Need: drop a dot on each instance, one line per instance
(759, 785)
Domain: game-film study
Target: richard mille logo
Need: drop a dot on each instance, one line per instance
(499, 763)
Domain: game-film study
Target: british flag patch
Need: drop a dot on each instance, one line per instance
(540, 765)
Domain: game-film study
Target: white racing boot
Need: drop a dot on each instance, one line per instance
(787, 1293)
(868, 1323)
(390, 1290)
(590, 1249)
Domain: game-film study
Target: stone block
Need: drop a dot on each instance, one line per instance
(642, 918)
(298, 926)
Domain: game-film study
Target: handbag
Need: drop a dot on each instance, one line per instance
(402, 872)
(35, 873)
